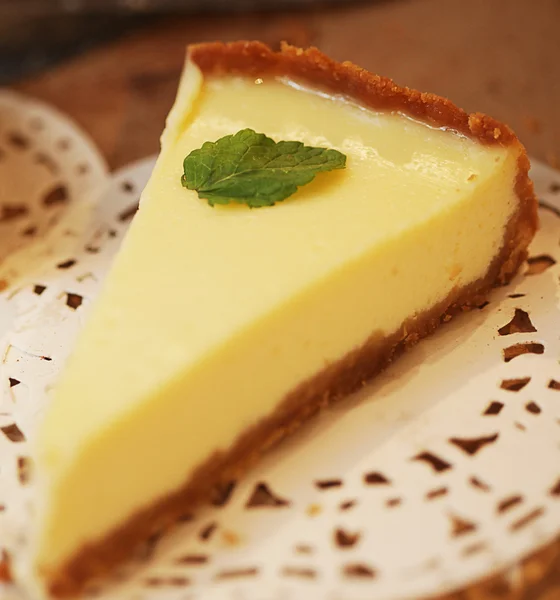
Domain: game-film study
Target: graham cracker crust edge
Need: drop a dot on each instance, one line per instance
(358, 367)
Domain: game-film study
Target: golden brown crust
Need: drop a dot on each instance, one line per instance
(348, 374)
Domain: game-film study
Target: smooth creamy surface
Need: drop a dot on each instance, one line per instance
(211, 315)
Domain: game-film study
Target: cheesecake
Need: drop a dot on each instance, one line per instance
(223, 326)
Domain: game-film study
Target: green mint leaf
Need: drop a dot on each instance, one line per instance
(250, 168)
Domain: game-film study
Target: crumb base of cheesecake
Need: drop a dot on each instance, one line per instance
(335, 382)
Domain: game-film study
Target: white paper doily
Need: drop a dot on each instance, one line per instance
(442, 471)
(47, 165)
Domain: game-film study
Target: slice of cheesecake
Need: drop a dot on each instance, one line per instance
(221, 328)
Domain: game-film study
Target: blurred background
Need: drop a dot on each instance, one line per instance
(113, 65)
(36, 33)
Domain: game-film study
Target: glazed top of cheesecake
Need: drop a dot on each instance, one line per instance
(200, 299)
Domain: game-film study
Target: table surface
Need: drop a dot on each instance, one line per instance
(501, 57)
